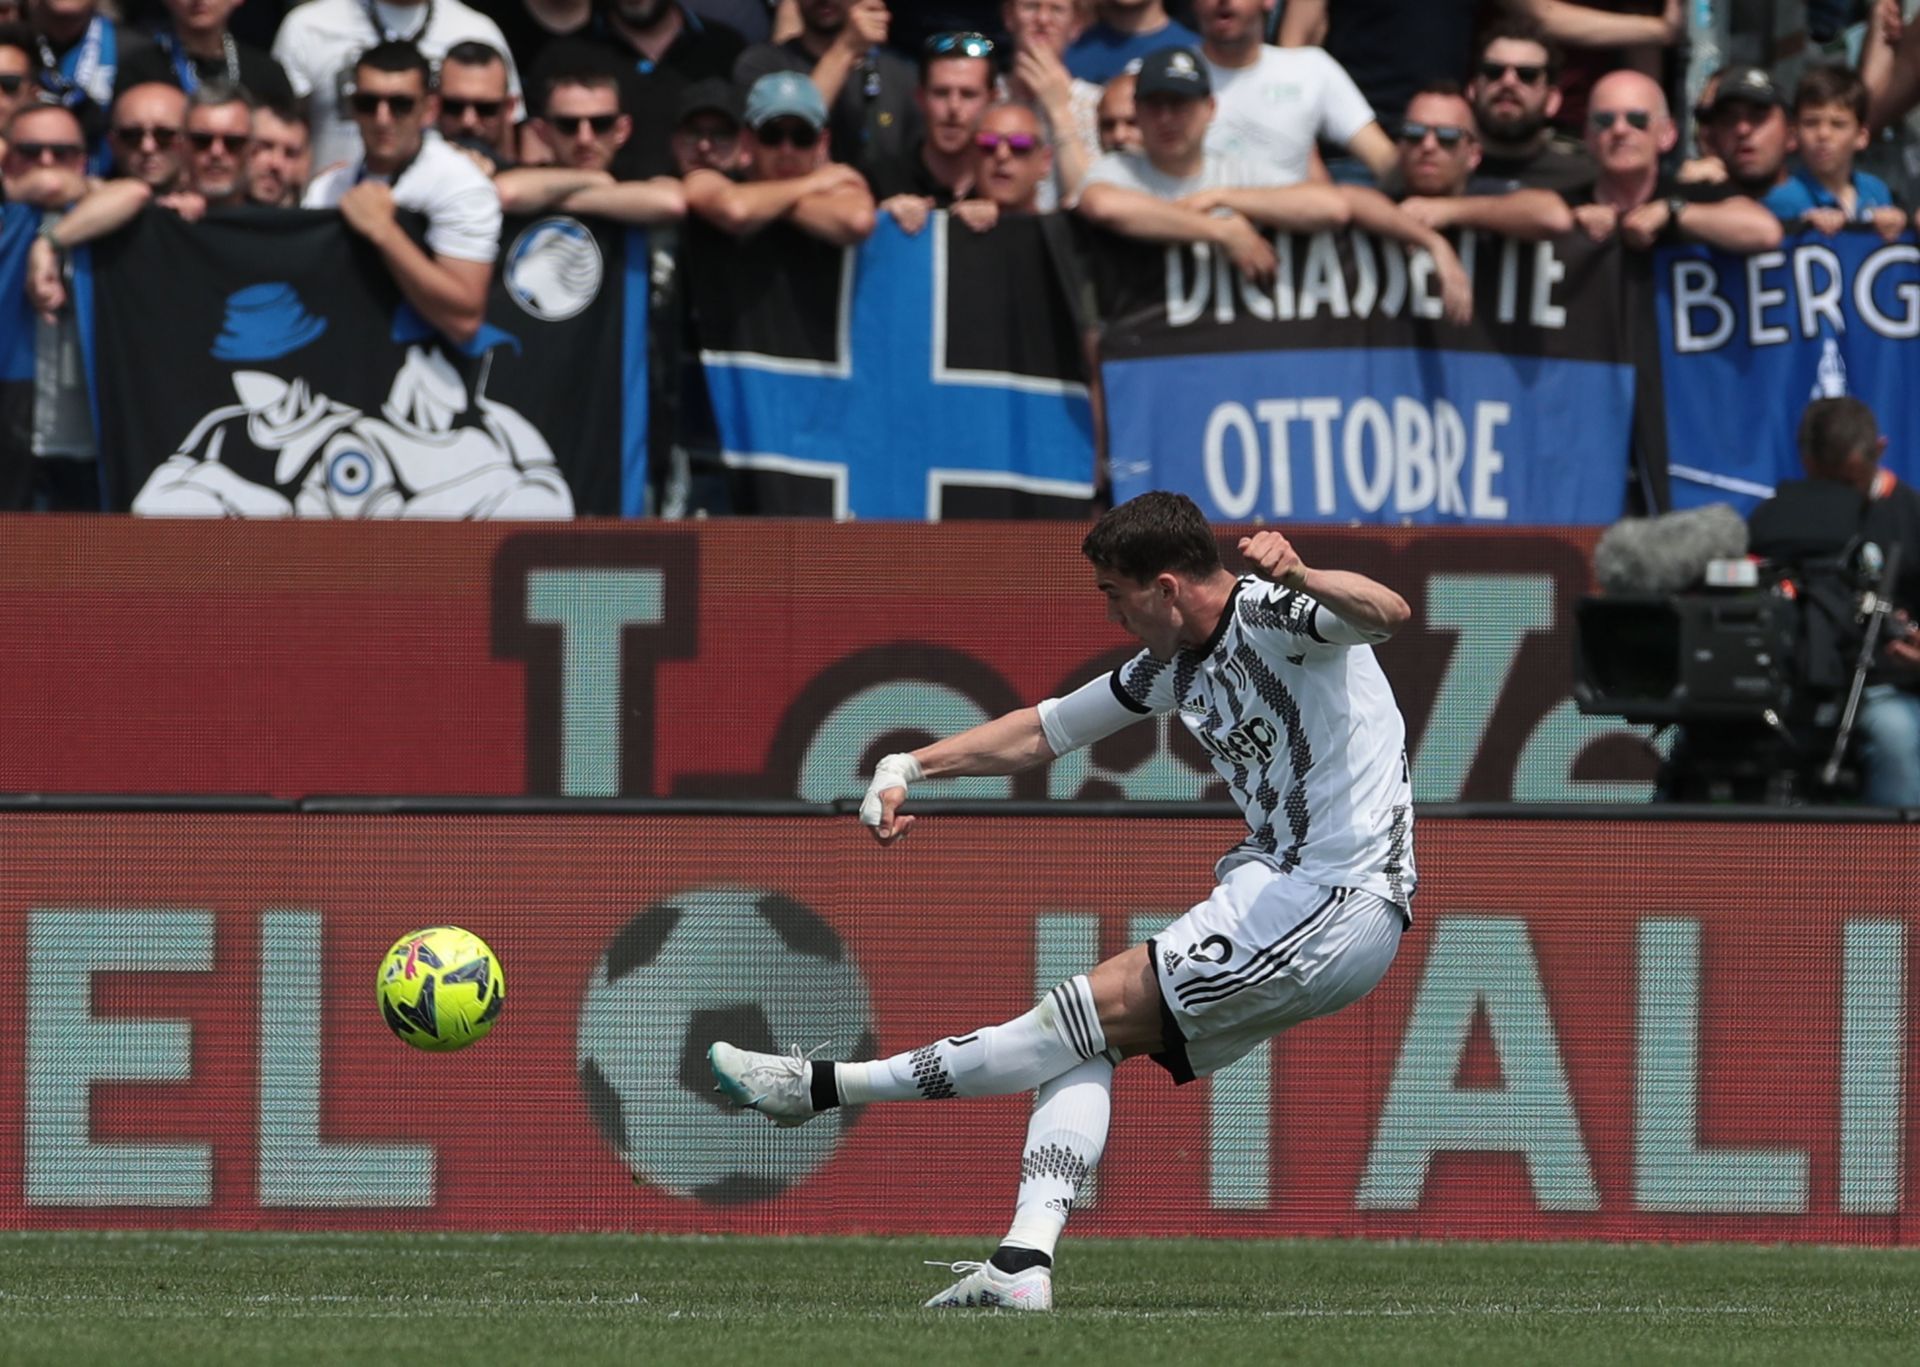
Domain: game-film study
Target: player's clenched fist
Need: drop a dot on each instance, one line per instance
(880, 810)
(1273, 557)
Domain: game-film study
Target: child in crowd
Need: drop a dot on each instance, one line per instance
(1824, 191)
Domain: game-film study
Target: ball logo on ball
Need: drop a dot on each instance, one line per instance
(441, 989)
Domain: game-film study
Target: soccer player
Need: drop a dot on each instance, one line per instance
(1274, 673)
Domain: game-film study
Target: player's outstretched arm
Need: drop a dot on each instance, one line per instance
(1005, 745)
(1372, 607)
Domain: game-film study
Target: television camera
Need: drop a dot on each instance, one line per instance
(1757, 663)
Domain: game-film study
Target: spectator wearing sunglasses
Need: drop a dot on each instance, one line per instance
(956, 84)
(867, 86)
(1439, 153)
(407, 165)
(153, 145)
(1180, 190)
(657, 48)
(148, 120)
(1628, 130)
(282, 161)
(219, 144)
(18, 60)
(1276, 102)
(1393, 47)
(1516, 93)
(706, 134)
(581, 119)
(42, 174)
(1013, 162)
(197, 47)
(45, 166)
(789, 177)
(1039, 32)
(1124, 31)
(478, 111)
(320, 40)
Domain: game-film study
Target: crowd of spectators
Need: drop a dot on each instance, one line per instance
(1212, 121)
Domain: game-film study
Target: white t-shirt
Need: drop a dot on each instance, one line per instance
(461, 205)
(318, 42)
(1271, 111)
(1298, 718)
(1132, 171)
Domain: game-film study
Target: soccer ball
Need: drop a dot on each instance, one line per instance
(441, 989)
(746, 965)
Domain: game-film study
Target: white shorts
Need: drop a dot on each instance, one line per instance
(1266, 951)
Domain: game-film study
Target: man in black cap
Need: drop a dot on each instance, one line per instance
(1751, 128)
(1177, 191)
(706, 131)
(867, 86)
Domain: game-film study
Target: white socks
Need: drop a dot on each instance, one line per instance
(1061, 1032)
(1064, 1142)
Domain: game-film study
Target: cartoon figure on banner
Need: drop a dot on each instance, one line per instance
(437, 448)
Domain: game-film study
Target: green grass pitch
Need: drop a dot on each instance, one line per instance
(563, 1300)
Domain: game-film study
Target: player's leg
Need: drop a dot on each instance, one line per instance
(1065, 1138)
(1069, 1026)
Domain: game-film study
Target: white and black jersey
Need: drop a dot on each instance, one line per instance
(1291, 704)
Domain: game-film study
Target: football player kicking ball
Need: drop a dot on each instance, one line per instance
(1274, 673)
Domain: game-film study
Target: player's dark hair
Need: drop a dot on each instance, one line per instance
(1154, 534)
(1831, 430)
(1520, 30)
(397, 57)
(1831, 84)
(1443, 86)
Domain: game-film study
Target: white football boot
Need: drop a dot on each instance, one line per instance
(986, 1287)
(776, 1085)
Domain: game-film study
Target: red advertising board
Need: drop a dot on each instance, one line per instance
(737, 659)
(1615, 1030)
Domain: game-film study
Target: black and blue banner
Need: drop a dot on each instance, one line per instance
(261, 363)
(938, 375)
(19, 223)
(1339, 395)
(1747, 341)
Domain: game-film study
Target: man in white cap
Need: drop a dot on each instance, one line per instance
(788, 174)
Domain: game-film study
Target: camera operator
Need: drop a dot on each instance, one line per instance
(1848, 499)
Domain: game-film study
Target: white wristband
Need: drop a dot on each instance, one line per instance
(893, 771)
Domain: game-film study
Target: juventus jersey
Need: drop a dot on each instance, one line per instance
(1300, 722)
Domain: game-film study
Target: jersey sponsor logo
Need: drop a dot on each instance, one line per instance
(1253, 740)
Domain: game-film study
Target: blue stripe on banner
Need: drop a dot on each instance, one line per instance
(83, 314)
(889, 432)
(1745, 342)
(1380, 436)
(634, 395)
(19, 224)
